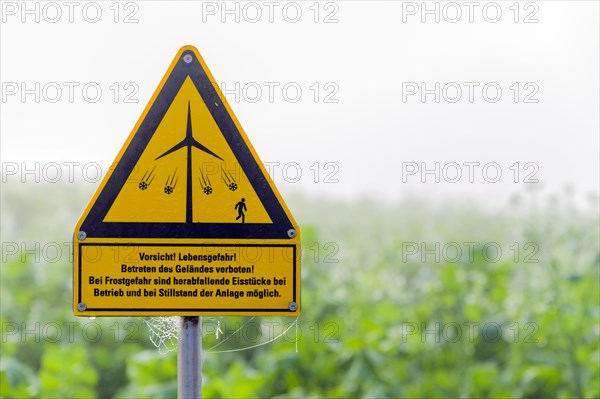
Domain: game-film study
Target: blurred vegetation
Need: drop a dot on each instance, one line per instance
(380, 317)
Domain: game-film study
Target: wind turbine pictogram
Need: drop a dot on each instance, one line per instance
(189, 142)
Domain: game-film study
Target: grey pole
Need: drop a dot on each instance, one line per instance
(189, 359)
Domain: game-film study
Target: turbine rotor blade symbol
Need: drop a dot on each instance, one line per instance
(188, 142)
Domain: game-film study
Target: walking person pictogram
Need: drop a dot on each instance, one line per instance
(241, 207)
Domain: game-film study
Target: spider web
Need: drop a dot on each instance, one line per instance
(164, 333)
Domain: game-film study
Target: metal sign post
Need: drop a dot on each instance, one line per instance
(189, 359)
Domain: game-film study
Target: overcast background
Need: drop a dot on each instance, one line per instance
(360, 126)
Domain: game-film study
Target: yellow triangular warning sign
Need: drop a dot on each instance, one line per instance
(188, 221)
(188, 169)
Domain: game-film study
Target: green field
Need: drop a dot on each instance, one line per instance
(404, 301)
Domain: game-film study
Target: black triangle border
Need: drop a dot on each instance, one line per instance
(94, 225)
